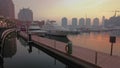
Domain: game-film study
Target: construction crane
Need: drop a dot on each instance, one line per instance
(116, 12)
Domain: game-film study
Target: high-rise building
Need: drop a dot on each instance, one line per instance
(103, 20)
(64, 21)
(95, 22)
(88, 22)
(25, 14)
(7, 9)
(113, 21)
(74, 21)
(81, 22)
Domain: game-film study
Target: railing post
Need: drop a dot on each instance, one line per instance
(111, 49)
(96, 57)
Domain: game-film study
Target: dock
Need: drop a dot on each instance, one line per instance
(80, 56)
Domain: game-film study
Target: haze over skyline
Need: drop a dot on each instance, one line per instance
(56, 9)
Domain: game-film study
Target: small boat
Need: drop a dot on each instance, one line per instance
(35, 29)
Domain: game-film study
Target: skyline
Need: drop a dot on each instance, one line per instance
(56, 9)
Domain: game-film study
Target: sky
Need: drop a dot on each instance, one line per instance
(56, 9)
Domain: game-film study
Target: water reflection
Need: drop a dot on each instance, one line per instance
(26, 56)
(56, 59)
(8, 49)
(1, 62)
(30, 48)
(23, 59)
(98, 41)
(23, 42)
(29, 56)
(115, 33)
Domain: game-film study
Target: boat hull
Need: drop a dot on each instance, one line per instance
(57, 33)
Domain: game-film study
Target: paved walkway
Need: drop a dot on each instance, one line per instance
(103, 60)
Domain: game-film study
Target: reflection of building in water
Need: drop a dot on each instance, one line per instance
(10, 47)
(115, 33)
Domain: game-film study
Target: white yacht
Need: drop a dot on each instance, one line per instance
(53, 28)
(34, 28)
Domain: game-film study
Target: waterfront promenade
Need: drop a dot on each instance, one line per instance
(101, 59)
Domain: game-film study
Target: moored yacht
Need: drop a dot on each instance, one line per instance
(53, 28)
(34, 28)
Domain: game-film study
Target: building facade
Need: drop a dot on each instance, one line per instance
(112, 22)
(25, 14)
(64, 21)
(81, 22)
(88, 22)
(103, 21)
(74, 21)
(95, 22)
(7, 9)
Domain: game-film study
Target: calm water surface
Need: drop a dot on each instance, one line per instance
(18, 55)
(96, 41)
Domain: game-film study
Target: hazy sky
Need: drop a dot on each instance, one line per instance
(56, 9)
